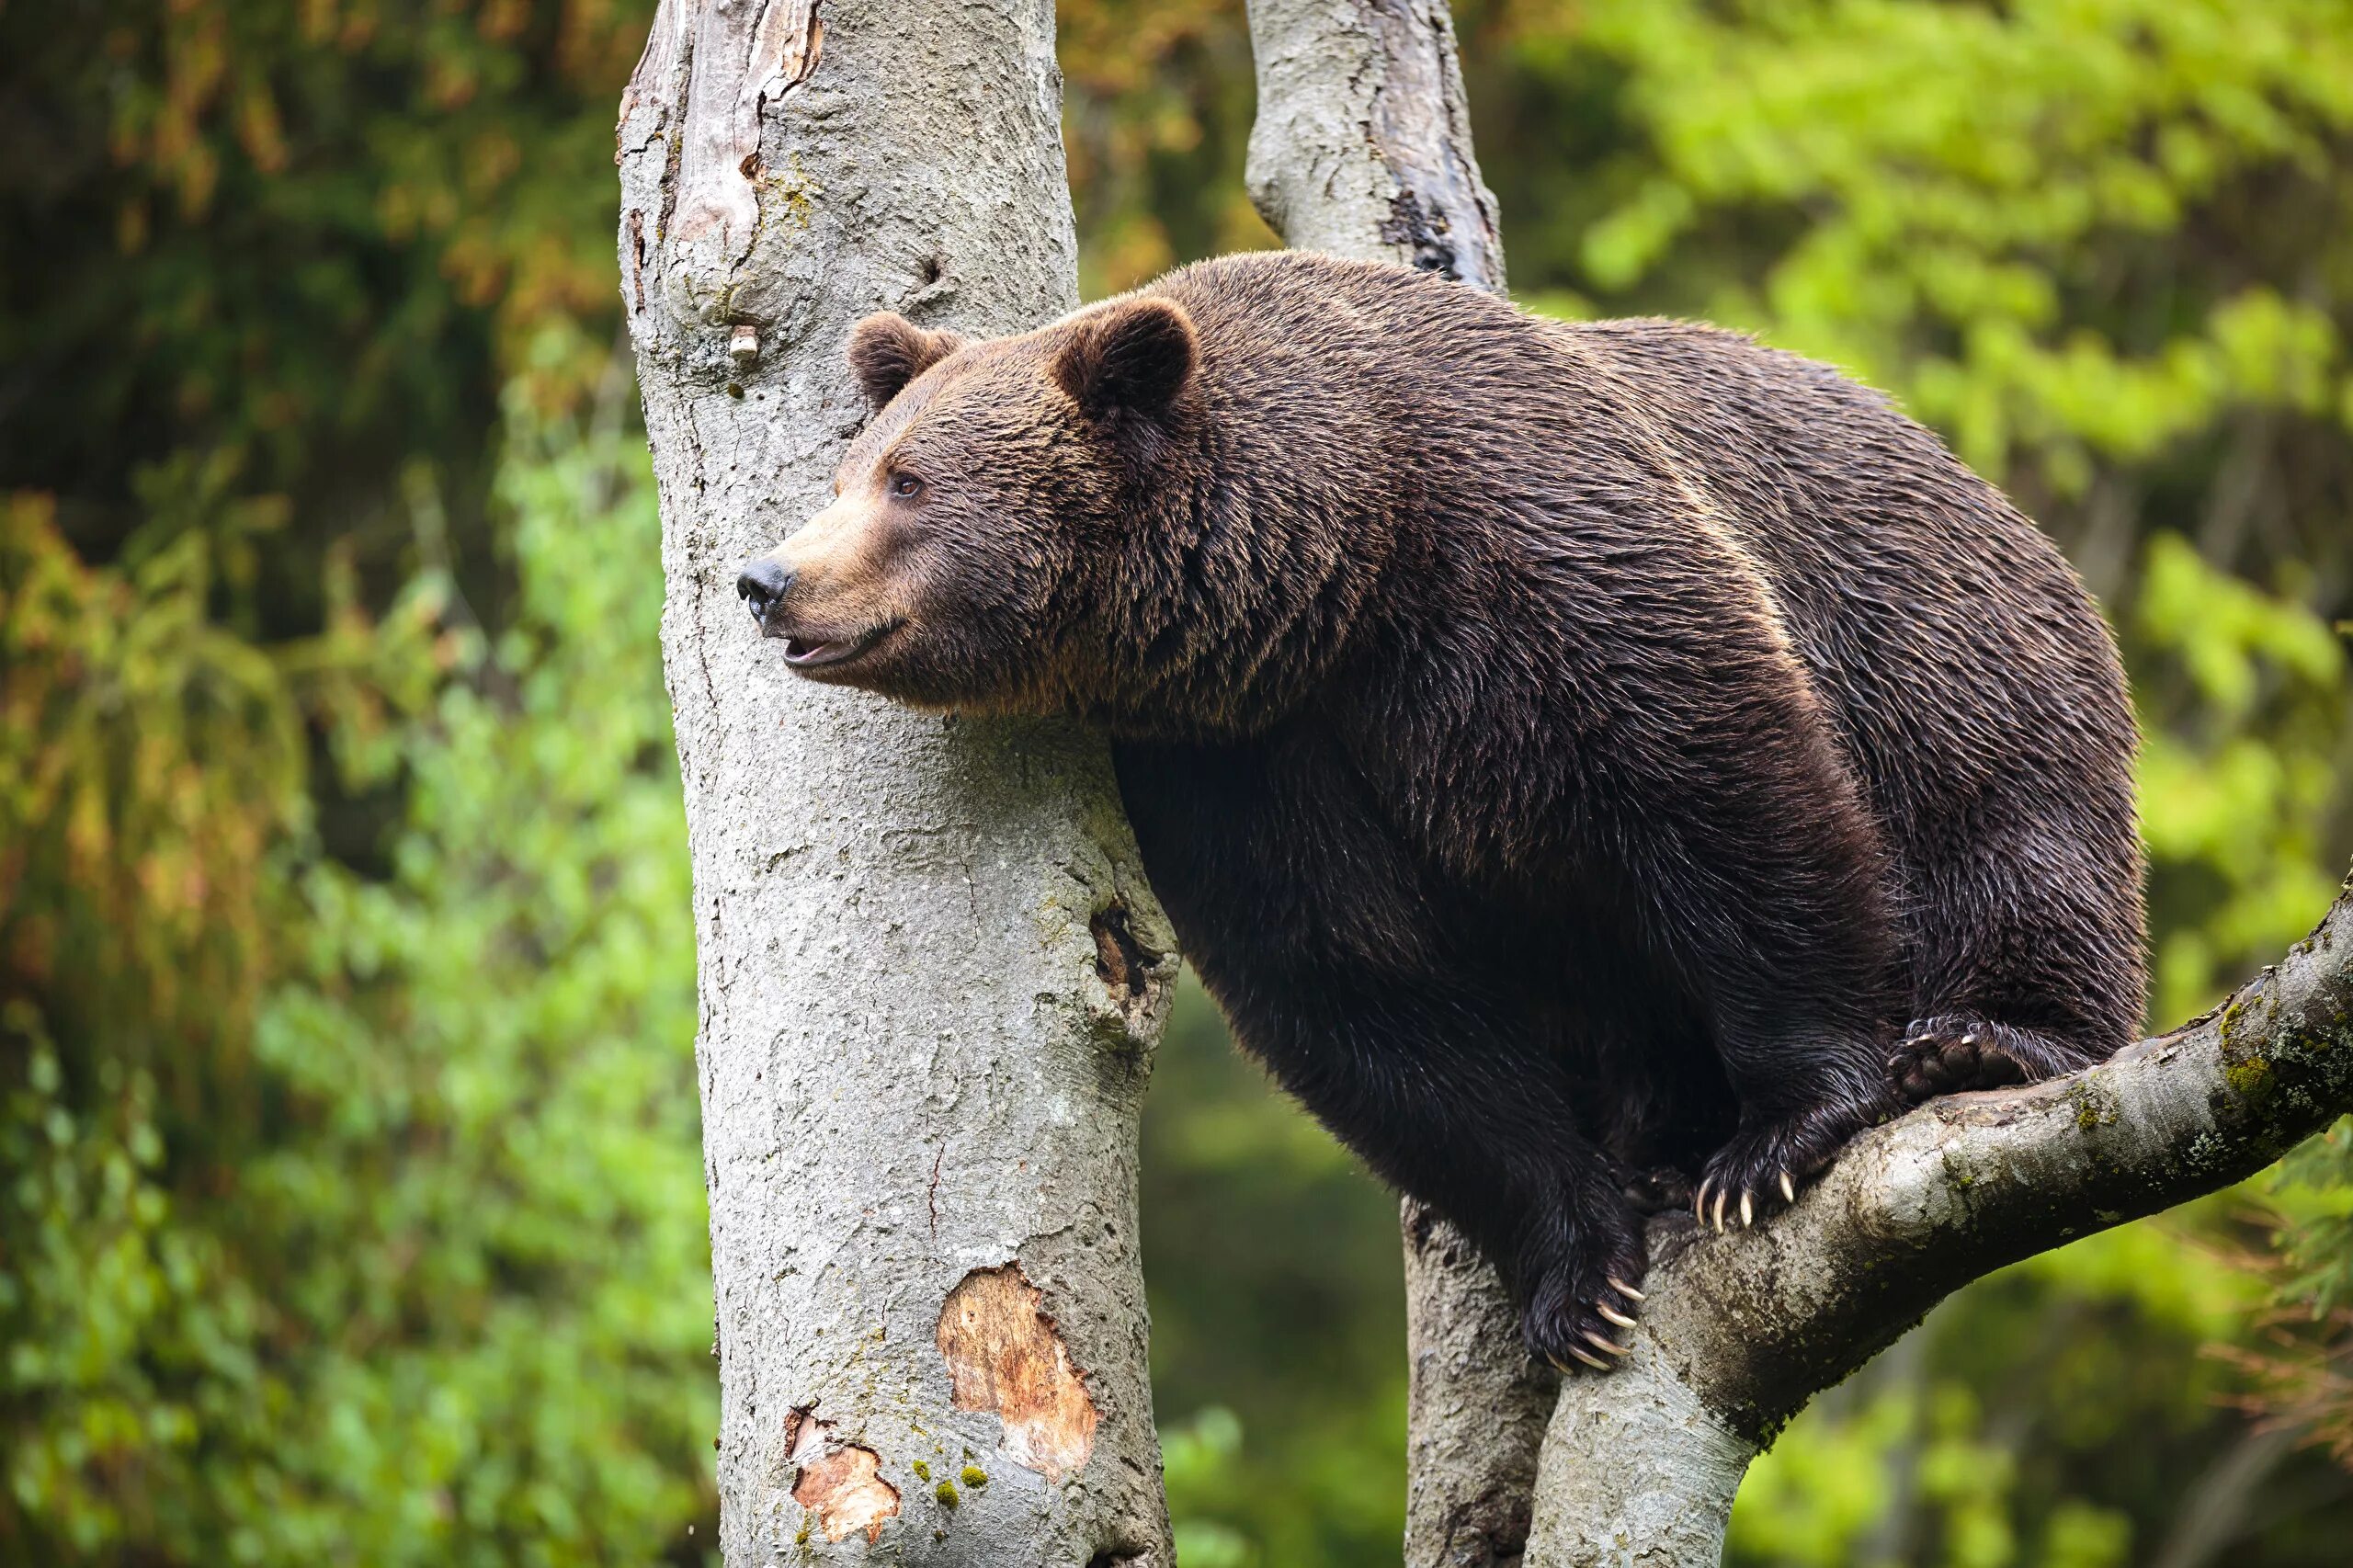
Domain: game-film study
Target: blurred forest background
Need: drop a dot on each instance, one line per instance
(350, 1204)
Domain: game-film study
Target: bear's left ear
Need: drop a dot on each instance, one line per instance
(887, 351)
(1133, 356)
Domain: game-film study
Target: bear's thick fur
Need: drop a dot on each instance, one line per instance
(1568, 753)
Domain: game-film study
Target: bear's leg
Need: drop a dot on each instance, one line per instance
(2026, 935)
(1767, 902)
(1719, 803)
(1460, 1106)
(1576, 1267)
(1498, 1153)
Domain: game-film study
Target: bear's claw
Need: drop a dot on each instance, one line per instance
(1583, 1339)
(1747, 1205)
(1580, 1311)
(1756, 1174)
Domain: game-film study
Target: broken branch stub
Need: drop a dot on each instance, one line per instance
(931, 974)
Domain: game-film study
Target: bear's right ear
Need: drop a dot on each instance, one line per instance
(1133, 356)
(887, 351)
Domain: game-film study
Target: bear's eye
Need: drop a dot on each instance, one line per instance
(905, 486)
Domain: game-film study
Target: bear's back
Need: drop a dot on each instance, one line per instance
(1961, 655)
(1933, 616)
(1958, 656)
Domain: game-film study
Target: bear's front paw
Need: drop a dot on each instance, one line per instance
(1949, 1055)
(1758, 1172)
(1581, 1310)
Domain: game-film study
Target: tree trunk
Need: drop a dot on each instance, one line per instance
(1362, 148)
(1476, 1406)
(931, 974)
(1362, 144)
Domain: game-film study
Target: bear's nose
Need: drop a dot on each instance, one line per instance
(761, 585)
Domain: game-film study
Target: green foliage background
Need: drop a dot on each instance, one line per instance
(349, 1197)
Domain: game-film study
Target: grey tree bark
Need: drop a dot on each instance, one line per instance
(931, 974)
(1363, 147)
(1362, 144)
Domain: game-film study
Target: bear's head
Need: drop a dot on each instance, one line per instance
(971, 558)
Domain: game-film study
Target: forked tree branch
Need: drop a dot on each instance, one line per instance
(1363, 148)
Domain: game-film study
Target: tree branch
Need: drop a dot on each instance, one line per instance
(1743, 1329)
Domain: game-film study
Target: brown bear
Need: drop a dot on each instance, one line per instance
(1567, 752)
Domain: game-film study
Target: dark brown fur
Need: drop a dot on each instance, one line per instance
(1565, 751)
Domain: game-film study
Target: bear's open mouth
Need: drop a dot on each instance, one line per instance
(823, 653)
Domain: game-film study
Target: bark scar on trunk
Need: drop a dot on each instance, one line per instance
(842, 1490)
(1005, 1357)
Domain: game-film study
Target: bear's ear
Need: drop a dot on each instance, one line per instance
(887, 351)
(1132, 358)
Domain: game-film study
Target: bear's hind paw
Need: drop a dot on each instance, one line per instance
(1580, 1313)
(1955, 1052)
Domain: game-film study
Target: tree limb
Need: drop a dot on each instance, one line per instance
(1742, 1330)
